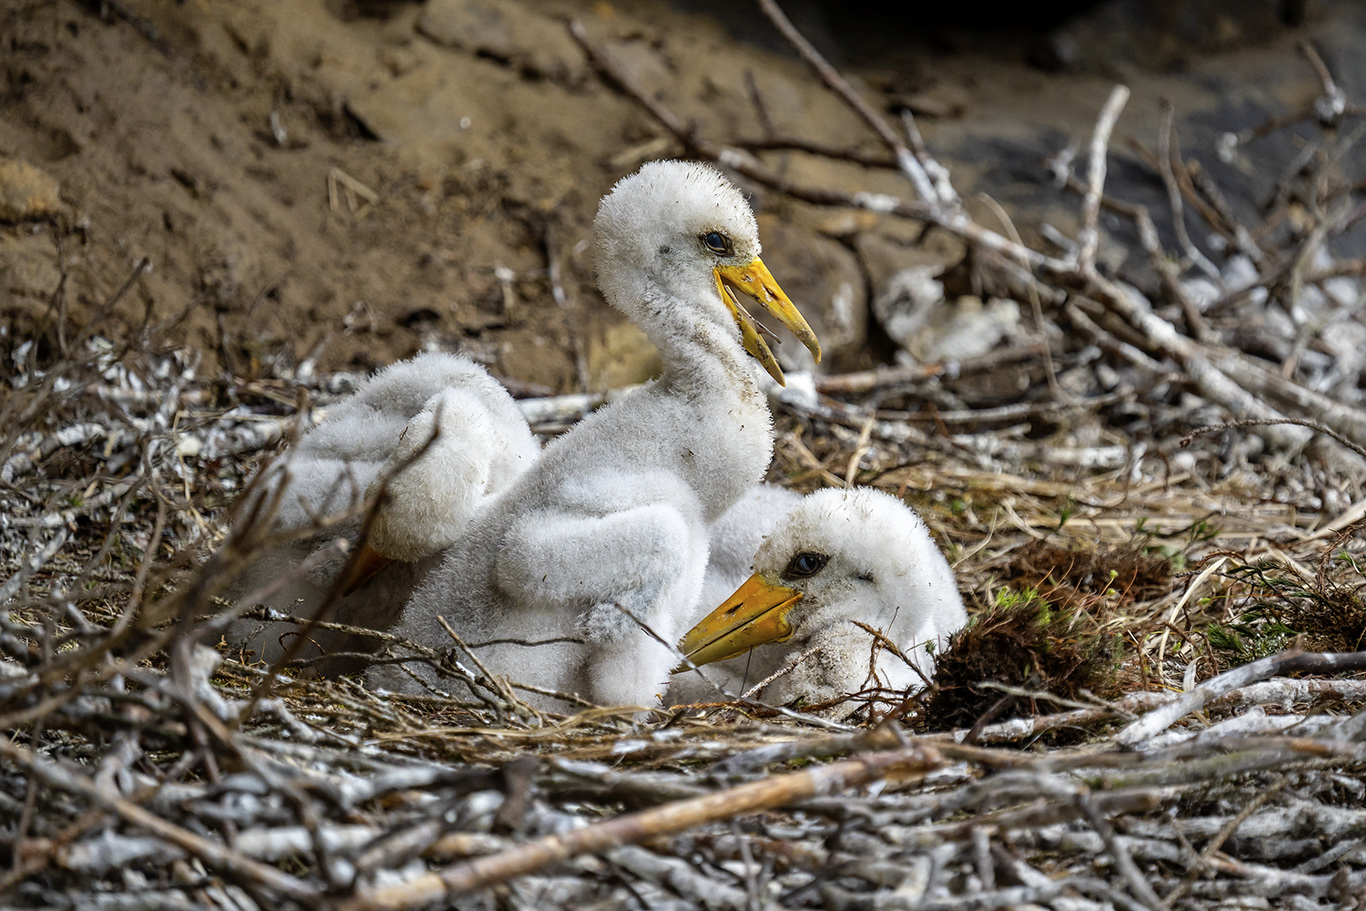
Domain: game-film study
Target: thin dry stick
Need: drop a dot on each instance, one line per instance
(880, 377)
(862, 447)
(788, 667)
(1089, 238)
(633, 828)
(910, 165)
(1168, 270)
(1166, 142)
(1212, 383)
(687, 664)
(1333, 104)
(1224, 835)
(1140, 887)
(35, 561)
(938, 174)
(211, 853)
(1317, 428)
(1159, 720)
(499, 684)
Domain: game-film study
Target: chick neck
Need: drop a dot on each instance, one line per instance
(706, 418)
(698, 343)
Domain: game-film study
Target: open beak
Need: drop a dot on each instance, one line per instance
(757, 613)
(363, 568)
(756, 282)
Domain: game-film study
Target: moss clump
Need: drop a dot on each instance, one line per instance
(1126, 572)
(1023, 641)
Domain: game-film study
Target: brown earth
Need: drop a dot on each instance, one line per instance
(355, 181)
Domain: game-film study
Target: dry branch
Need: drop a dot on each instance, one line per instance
(215, 855)
(1291, 661)
(633, 828)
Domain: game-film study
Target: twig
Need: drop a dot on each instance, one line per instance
(1329, 107)
(35, 562)
(938, 174)
(1312, 425)
(788, 667)
(632, 828)
(211, 853)
(562, 298)
(1290, 661)
(909, 164)
(1089, 238)
(1137, 883)
(811, 147)
(1166, 148)
(883, 377)
(1224, 834)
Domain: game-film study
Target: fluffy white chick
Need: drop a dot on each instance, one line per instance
(552, 583)
(837, 557)
(440, 433)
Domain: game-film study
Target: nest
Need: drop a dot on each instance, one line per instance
(1132, 719)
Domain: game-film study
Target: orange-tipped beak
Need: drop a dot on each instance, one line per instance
(363, 568)
(756, 282)
(757, 613)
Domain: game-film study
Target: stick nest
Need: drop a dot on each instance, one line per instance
(1156, 705)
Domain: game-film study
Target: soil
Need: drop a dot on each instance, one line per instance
(343, 183)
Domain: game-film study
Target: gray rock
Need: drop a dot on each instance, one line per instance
(884, 257)
(28, 268)
(904, 277)
(906, 302)
(824, 280)
(1160, 35)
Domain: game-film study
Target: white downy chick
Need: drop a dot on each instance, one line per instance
(607, 531)
(837, 557)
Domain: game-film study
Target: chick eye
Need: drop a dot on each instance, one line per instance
(805, 564)
(717, 243)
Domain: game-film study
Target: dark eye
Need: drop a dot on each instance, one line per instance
(805, 564)
(717, 243)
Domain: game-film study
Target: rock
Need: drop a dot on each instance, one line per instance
(1241, 273)
(1346, 345)
(26, 193)
(506, 31)
(1158, 35)
(1201, 291)
(644, 66)
(942, 101)
(28, 268)
(823, 278)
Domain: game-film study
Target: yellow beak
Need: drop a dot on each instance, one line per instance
(363, 567)
(757, 613)
(756, 282)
